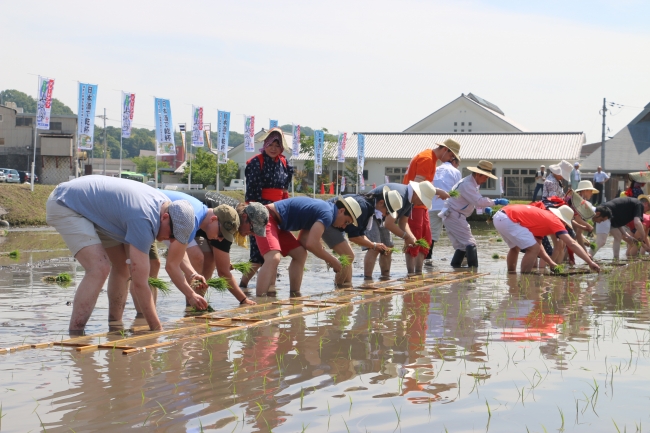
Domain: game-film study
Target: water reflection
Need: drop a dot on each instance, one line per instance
(522, 347)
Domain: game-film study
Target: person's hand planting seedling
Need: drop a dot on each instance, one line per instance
(343, 259)
(454, 193)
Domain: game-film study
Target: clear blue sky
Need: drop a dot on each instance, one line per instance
(345, 65)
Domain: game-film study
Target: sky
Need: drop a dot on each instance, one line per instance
(373, 66)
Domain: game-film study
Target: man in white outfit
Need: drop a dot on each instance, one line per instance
(447, 175)
(458, 208)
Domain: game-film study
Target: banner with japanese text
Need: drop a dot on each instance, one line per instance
(44, 102)
(319, 141)
(273, 124)
(208, 139)
(249, 133)
(197, 126)
(342, 183)
(164, 133)
(86, 115)
(361, 158)
(128, 105)
(295, 148)
(223, 135)
(341, 147)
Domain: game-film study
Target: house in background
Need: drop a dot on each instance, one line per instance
(56, 156)
(627, 151)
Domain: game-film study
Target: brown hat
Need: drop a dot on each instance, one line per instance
(452, 145)
(228, 221)
(483, 167)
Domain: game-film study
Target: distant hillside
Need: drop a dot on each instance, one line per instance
(28, 103)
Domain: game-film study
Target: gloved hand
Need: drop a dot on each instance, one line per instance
(501, 201)
(488, 211)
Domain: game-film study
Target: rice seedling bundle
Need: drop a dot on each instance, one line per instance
(495, 256)
(422, 243)
(558, 269)
(14, 254)
(343, 259)
(161, 285)
(243, 267)
(394, 250)
(454, 193)
(593, 245)
(63, 277)
(219, 284)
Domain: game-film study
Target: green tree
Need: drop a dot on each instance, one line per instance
(28, 103)
(147, 164)
(204, 169)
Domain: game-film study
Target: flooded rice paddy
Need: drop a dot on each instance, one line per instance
(493, 353)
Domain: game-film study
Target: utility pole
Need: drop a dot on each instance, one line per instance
(104, 171)
(602, 145)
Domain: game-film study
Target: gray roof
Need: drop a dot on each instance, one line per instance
(518, 146)
(628, 150)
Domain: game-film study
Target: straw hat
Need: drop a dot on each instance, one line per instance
(640, 176)
(393, 201)
(425, 191)
(565, 213)
(452, 145)
(582, 206)
(352, 207)
(585, 185)
(564, 169)
(483, 167)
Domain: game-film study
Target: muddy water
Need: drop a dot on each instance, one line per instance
(497, 353)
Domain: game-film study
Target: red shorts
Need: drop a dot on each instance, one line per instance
(419, 224)
(276, 239)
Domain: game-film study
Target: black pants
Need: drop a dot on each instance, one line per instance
(538, 188)
(597, 199)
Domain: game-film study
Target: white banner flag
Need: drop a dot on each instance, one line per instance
(128, 105)
(86, 116)
(44, 102)
(223, 135)
(341, 150)
(164, 134)
(295, 151)
(319, 141)
(197, 126)
(249, 133)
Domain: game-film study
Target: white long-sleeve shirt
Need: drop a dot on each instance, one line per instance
(469, 199)
(446, 177)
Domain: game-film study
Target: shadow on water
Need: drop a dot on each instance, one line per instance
(499, 352)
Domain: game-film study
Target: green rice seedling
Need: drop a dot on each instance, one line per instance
(343, 259)
(63, 277)
(15, 254)
(394, 250)
(422, 243)
(454, 193)
(499, 240)
(161, 285)
(495, 255)
(558, 269)
(219, 284)
(243, 267)
(593, 246)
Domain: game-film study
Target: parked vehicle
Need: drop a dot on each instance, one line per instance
(3, 176)
(26, 176)
(236, 185)
(11, 174)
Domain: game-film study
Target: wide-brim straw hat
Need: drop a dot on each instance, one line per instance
(352, 207)
(425, 191)
(582, 206)
(483, 167)
(640, 176)
(565, 213)
(269, 132)
(585, 185)
(564, 169)
(393, 201)
(452, 145)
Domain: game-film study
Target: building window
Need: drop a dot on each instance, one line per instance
(519, 182)
(395, 174)
(455, 123)
(469, 124)
(462, 130)
(2, 141)
(23, 121)
(469, 130)
(56, 126)
(490, 184)
(462, 123)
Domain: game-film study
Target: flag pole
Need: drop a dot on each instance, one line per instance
(121, 132)
(38, 89)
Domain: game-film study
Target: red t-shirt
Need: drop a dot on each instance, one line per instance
(645, 221)
(540, 222)
(422, 164)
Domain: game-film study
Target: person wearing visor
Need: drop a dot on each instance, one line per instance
(373, 207)
(456, 210)
(310, 217)
(109, 225)
(268, 177)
